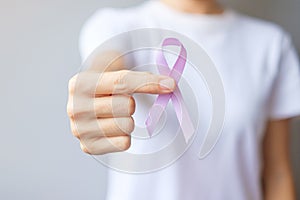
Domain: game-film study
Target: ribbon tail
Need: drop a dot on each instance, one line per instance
(183, 117)
(156, 111)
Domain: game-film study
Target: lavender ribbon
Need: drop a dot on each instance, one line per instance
(162, 100)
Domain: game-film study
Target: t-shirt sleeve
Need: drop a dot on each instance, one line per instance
(97, 29)
(285, 96)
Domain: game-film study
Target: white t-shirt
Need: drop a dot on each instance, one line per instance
(260, 72)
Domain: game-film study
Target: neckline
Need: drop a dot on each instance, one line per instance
(166, 11)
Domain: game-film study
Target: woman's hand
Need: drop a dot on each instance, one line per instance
(101, 105)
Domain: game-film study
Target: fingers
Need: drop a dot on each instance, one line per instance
(107, 127)
(106, 145)
(127, 82)
(120, 82)
(112, 135)
(100, 136)
(100, 106)
(114, 106)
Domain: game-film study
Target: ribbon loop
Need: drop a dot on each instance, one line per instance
(162, 100)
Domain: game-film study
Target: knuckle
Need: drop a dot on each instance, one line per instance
(79, 131)
(83, 109)
(70, 111)
(72, 84)
(131, 105)
(83, 134)
(120, 83)
(91, 147)
(83, 84)
(74, 130)
(84, 148)
(120, 77)
(78, 114)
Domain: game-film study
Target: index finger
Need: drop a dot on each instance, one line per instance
(127, 82)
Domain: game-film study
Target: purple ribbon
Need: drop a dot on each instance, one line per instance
(162, 100)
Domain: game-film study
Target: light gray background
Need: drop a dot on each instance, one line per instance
(39, 158)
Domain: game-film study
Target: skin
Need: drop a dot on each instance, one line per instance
(100, 103)
(105, 127)
(277, 174)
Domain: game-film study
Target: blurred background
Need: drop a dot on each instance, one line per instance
(39, 158)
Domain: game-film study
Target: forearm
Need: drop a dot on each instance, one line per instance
(278, 185)
(277, 174)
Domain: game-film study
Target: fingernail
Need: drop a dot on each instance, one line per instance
(167, 84)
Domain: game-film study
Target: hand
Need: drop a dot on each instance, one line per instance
(101, 105)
